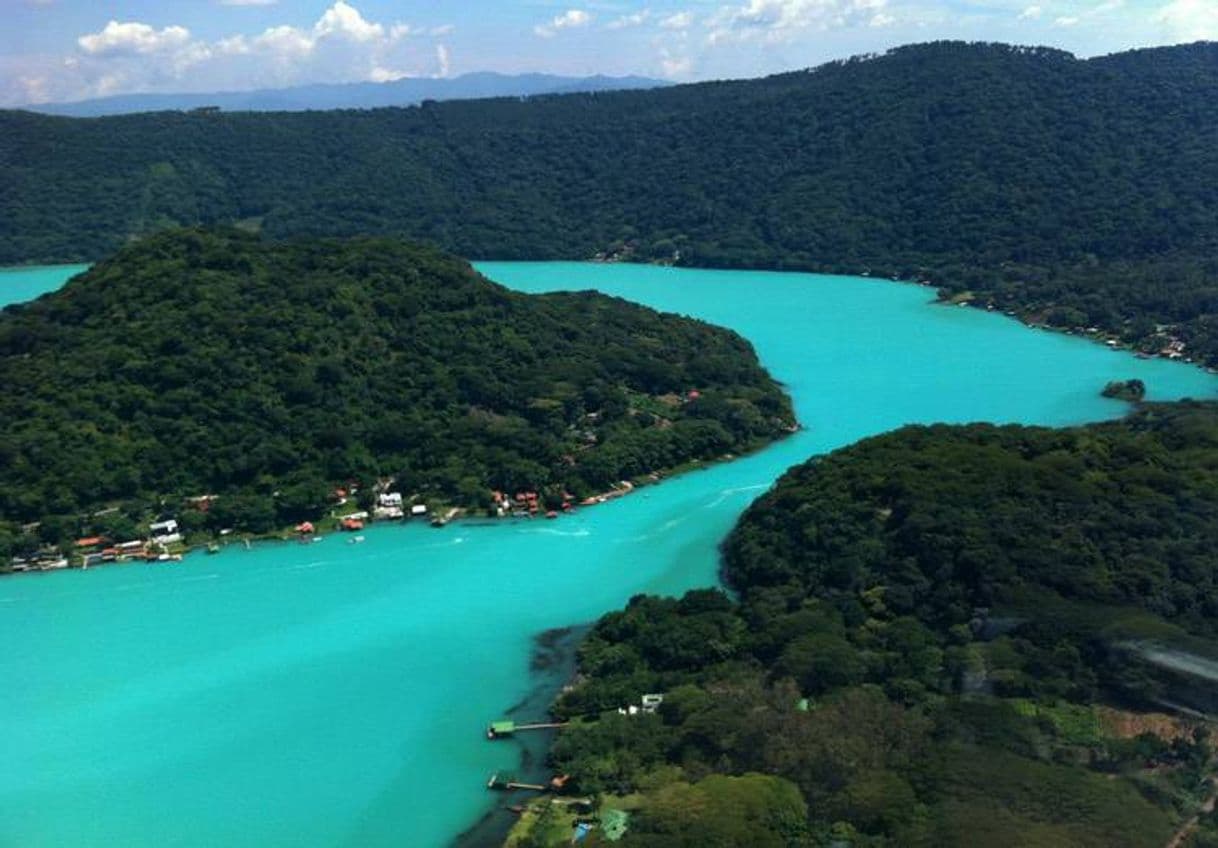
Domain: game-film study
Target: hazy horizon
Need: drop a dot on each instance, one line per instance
(68, 50)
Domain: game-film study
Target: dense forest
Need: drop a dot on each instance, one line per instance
(1078, 193)
(946, 635)
(213, 362)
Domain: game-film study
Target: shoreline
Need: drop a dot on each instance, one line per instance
(445, 514)
(942, 296)
(551, 667)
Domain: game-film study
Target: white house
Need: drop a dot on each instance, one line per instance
(165, 532)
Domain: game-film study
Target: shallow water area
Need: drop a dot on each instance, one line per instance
(335, 694)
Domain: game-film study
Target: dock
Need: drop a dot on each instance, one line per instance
(507, 783)
(504, 728)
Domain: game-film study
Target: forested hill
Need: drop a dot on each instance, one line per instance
(216, 363)
(1079, 192)
(946, 635)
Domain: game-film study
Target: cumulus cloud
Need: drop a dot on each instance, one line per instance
(1031, 13)
(1066, 21)
(380, 74)
(773, 21)
(1189, 20)
(341, 45)
(132, 37)
(570, 19)
(342, 20)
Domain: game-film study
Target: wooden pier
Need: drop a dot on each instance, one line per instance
(504, 729)
(508, 783)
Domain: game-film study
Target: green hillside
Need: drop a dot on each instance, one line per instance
(268, 373)
(946, 635)
(1081, 193)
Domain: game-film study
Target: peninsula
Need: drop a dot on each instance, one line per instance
(222, 382)
(946, 635)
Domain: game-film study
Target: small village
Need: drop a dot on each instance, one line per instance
(164, 544)
(166, 540)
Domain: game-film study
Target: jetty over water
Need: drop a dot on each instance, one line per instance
(505, 728)
(508, 783)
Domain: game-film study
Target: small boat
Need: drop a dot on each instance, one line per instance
(355, 540)
(213, 548)
(438, 522)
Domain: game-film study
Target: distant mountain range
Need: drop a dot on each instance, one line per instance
(358, 95)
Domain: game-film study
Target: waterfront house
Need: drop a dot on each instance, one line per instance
(165, 532)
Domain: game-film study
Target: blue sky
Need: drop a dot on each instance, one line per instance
(73, 49)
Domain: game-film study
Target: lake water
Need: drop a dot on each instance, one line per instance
(20, 284)
(335, 694)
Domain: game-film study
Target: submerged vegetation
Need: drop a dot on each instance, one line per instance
(1131, 390)
(1077, 193)
(215, 363)
(947, 635)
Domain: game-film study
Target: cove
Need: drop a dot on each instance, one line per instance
(335, 695)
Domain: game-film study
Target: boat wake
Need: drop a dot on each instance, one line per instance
(726, 494)
(574, 534)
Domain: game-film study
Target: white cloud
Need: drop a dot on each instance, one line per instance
(570, 19)
(880, 19)
(342, 45)
(379, 74)
(628, 21)
(132, 37)
(236, 45)
(774, 21)
(674, 65)
(285, 40)
(342, 20)
(1190, 20)
(681, 20)
(1031, 13)
(1065, 21)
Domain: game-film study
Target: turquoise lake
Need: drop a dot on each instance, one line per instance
(20, 284)
(335, 694)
